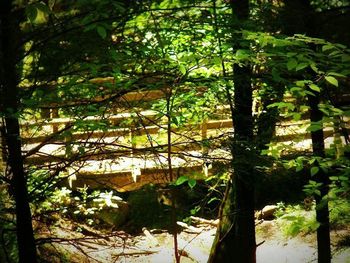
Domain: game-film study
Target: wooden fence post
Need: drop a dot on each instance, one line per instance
(204, 131)
(135, 170)
(54, 114)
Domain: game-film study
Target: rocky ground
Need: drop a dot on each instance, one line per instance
(300, 249)
(194, 241)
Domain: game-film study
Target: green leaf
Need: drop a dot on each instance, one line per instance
(314, 170)
(43, 7)
(333, 178)
(343, 178)
(272, 105)
(281, 105)
(292, 63)
(327, 47)
(195, 210)
(337, 112)
(314, 127)
(315, 87)
(314, 67)
(335, 53)
(192, 183)
(165, 4)
(301, 83)
(296, 116)
(340, 46)
(181, 180)
(101, 31)
(31, 12)
(312, 160)
(217, 61)
(332, 80)
(310, 93)
(301, 66)
(336, 74)
(182, 69)
(298, 168)
(242, 54)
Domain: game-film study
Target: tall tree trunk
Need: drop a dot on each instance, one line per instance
(9, 49)
(235, 237)
(322, 211)
(299, 17)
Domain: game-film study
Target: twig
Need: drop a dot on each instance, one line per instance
(205, 221)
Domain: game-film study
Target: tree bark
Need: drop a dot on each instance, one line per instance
(9, 51)
(299, 17)
(322, 210)
(235, 237)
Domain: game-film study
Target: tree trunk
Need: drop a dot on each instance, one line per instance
(235, 237)
(322, 211)
(9, 50)
(299, 17)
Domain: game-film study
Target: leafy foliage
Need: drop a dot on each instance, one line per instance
(294, 220)
(80, 58)
(8, 247)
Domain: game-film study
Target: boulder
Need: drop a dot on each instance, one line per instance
(114, 216)
(267, 213)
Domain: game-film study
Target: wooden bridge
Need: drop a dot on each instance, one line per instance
(128, 149)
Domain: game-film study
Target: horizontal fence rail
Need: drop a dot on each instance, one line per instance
(45, 142)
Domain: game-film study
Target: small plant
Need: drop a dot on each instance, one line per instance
(82, 204)
(339, 212)
(312, 188)
(294, 219)
(107, 199)
(59, 200)
(97, 204)
(8, 244)
(281, 207)
(183, 179)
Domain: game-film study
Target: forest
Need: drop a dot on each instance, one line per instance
(175, 131)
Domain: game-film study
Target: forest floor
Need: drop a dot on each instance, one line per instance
(156, 246)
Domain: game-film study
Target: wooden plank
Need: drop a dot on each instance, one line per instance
(115, 118)
(219, 124)
(108, 154)
(137, 131)
(151, 130)
(178, 148)
(129, 97)
(143, 95)
(123, 181)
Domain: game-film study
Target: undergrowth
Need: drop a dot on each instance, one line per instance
(301, 219)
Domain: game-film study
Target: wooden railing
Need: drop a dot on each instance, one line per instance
(118, 142)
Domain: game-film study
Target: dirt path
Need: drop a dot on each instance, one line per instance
(279, 249)
(156, 246)
(294, 251)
